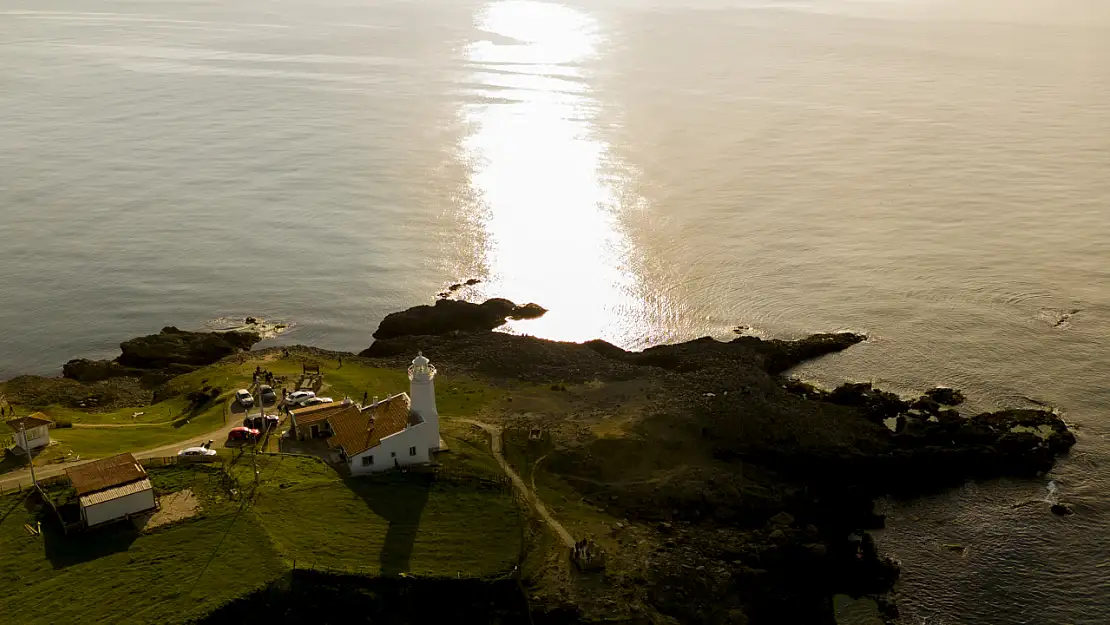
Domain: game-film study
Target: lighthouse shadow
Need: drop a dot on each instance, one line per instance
(399, 501)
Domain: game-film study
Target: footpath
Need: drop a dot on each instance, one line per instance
(529, 494)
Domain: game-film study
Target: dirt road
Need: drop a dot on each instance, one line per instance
(22, 477)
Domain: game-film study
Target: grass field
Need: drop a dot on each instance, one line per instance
(301, 510)
(385, 525)
(116, 575)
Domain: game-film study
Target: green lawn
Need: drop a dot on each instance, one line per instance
(301, 511)
(97, 442)
(454, 395)
(116, 575)
(173, 420)
(384, 525)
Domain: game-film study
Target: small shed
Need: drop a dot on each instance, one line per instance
(112, 489)
(31, 432)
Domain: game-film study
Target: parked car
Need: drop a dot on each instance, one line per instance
(298, 398)
(242, 434)
(259, 422)
(316, 401)
(196, 454)
(243, 396)
(268, 395)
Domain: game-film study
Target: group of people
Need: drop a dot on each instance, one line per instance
(262, 374)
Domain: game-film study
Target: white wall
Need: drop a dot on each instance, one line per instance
(119, 508)
(399, 443)
(36, 437)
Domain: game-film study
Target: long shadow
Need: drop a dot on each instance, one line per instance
(400, 499)
(10, 461)
(65, 550)
(17, 501)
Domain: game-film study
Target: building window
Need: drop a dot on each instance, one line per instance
(367, 461)
(412, 451)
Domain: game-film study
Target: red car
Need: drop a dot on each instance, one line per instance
(242, 434)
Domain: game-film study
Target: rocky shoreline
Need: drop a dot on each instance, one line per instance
(757, 490)
(764, 510)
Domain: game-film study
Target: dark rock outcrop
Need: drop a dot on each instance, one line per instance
(782, 355)
(179, 347)
(1061, 509)
(168, 353)
(946, 396)
(84, 370)
(454, 316)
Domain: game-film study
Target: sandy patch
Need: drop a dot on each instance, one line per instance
(171, 508)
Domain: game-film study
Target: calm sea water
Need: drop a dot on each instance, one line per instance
(932, 172)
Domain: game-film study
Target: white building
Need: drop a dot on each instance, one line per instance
(422, 390)
(31, 432)
(398, 431)
(112, 489)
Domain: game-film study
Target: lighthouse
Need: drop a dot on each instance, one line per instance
(422, 392)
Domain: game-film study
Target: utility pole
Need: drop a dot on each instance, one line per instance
(27, 448)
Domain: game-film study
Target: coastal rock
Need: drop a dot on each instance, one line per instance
(84, 370)
(528, 311)
(1062, 509)
(945, 396)
(178, 347)
(874, 403)
(171, 352)
(782, 355)
(759, 459)
(451, 316)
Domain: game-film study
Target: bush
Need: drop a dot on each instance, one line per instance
(62, 424)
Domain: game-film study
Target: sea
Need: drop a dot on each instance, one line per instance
(933, 173)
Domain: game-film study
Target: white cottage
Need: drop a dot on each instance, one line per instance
(112, 489)
(31, 432)
(398, 431)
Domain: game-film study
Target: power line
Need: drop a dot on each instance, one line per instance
(242, 506)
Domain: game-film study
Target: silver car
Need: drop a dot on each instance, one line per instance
(244, 397)
(197, 454)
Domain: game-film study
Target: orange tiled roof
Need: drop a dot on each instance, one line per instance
(356, 431)
(106, 473)
(32, 421)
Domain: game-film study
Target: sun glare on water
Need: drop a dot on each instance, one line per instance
(546, 192)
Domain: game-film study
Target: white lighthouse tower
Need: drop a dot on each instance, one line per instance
(422, 392)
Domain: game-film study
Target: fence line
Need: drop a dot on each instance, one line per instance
(18, 488)
(158, 461)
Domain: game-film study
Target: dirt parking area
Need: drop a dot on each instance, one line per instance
(171, 508)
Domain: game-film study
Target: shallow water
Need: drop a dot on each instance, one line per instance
(930, 172)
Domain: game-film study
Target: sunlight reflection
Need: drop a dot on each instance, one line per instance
(547, 199)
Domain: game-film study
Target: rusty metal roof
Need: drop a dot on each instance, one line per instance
(115, 493)
(315, 414)
(106, 473)
(32, 421)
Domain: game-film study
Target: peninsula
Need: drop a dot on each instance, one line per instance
(685, 483)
